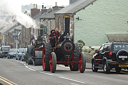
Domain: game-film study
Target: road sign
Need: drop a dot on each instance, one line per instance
(14, 35)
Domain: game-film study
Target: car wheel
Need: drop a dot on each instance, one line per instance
(106, 68)
(94, 69)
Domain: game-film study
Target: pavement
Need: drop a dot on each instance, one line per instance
(14, 72)
(88, 66)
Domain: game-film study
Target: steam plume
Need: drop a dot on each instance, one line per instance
(13, 8)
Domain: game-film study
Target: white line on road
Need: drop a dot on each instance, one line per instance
(26, 66)
(47, 73)
(71, 80)
(74, 84)
(29, 68)
(56, 75)
(63, 66)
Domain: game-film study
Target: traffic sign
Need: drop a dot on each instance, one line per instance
(14, 35)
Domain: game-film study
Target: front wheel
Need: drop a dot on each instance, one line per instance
(82, 63)
(46, 56)
(53, 62)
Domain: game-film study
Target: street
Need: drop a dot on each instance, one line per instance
(19, 73)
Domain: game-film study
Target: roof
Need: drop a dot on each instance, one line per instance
(75, 7)
(49, 15)
(37, 16)
(11, 28)
(117, 37)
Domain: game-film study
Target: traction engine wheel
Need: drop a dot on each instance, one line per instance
(53, 62)
(74, 66)
(46, 56)
(29, 55)
(82, 63)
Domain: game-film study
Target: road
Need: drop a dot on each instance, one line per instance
(13, 72)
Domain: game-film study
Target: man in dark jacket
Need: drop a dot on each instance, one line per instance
(54, 37)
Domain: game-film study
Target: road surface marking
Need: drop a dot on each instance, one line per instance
(47, 73)
(71, 80)
(26, 66)
(63, 66)
(74, 84)
(7, 81)
(29, 68)
(22, 62)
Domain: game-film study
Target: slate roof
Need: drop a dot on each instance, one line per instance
(75, 7)
(117, 37)
(49, 15)
(11, 28)
(37, 16)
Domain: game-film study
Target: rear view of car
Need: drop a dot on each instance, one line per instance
(111, 55)
(12, 53)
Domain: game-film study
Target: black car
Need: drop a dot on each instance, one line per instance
(111, 55)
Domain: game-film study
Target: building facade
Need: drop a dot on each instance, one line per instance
(96, 21)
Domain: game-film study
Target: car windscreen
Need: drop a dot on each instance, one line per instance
(117, 47)
(13, 50)
(5, 48)
(21, 50)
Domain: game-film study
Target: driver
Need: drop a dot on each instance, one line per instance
(54, 37)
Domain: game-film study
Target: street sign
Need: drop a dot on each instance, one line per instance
(1, 37)
(14, 35)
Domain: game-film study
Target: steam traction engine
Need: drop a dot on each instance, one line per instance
(34, 51)
(66, 52)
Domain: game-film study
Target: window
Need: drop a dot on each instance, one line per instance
(101, 49)
(106, 47)
(120, 46)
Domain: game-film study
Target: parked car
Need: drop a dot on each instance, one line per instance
(12, 53)
(4, 51)
(111, 55)
(19, 54)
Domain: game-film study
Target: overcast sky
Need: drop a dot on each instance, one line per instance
(46, 2)
(13, 7)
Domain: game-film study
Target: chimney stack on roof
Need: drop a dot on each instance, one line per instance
(34, 11)
(55, 3)
(36, 6)
(42, 6)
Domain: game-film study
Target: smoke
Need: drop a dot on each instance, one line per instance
(10, 10)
